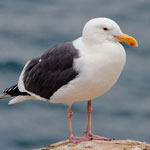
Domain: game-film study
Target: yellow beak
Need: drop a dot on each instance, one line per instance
(127, 39)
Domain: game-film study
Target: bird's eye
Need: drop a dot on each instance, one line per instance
(105, 29)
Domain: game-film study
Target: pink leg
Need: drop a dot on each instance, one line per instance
(71, 137)
(88, 131)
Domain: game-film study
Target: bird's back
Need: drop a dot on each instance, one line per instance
(44, 75)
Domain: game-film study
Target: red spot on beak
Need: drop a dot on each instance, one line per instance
(132, 44)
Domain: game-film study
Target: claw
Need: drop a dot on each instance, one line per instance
(79, 139)
(97, 137)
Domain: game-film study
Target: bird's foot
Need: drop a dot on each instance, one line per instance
(76, 140)
(97, 137)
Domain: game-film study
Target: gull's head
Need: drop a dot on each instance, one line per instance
(101, 30)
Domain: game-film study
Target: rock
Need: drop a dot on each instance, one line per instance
(99, 145)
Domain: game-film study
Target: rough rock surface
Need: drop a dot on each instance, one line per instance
(99, 145)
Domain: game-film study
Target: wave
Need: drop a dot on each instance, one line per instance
(11, 66)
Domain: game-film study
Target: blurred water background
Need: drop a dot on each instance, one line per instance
(29, 27)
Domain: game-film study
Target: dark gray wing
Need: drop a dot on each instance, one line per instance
(45, 75)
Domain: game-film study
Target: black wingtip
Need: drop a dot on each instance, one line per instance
(14, 91)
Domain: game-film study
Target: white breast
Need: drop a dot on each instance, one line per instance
(99, 68)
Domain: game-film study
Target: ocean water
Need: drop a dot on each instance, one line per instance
(29, 27)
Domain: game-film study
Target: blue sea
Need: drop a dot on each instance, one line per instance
(29, 27)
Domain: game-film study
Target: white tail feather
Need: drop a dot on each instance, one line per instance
(19, 99)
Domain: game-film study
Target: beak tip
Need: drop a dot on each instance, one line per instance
(134, 44)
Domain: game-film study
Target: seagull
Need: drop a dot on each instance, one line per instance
(80, 70)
